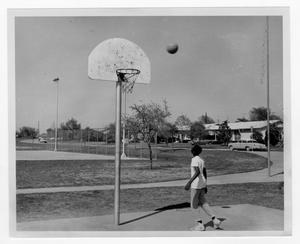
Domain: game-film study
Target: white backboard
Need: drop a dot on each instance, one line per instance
(118, 53)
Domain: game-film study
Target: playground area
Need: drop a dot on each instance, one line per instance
(41, 168)
(248, 209)
(241, 217)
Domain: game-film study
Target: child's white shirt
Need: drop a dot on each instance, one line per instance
(200, 181)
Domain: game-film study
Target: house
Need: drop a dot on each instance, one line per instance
(240, 130)
(183, 134)
(244, 130)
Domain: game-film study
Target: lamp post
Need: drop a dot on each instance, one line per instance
(56, 122)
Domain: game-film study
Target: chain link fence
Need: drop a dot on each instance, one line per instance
(94, 141)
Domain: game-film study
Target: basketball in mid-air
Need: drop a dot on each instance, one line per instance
(172, 48)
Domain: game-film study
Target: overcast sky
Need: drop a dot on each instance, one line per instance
(219, 67)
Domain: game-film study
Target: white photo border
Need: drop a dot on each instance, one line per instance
(213, 11)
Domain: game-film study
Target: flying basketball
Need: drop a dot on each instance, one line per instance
(172, 48)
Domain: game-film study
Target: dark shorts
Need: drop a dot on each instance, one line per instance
(197, 198)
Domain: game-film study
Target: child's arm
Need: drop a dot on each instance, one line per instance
(204, 173)
(188, 184)
(205, 176)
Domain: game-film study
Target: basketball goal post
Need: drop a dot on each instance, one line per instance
(125, 63)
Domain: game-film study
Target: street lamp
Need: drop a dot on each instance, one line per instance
(56, 122)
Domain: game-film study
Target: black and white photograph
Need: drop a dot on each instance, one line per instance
(149, 122)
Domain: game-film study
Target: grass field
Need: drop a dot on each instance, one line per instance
(32, 207)
(171, 165)
(132, 150)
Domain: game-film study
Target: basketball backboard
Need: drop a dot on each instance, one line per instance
(118, 53)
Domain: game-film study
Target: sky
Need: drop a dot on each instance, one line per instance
(219, 69)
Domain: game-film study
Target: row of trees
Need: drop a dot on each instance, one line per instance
(72, 130)
(197, 129)
(258, 114)
(153, 118)
(27, 132)
(149, 122)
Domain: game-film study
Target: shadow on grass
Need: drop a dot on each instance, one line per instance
(159, 210)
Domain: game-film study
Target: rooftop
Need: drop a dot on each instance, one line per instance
(242, 125)
(235, 125)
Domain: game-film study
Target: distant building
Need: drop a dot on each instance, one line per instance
(240, 130)
(244, 130)
(183, 134)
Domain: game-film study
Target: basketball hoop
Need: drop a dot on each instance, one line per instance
(128, 78)
(132, 66)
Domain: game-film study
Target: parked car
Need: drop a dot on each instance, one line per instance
(246, 145)
(42, 140)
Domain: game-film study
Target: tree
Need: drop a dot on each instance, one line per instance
(275, 117)
(257, 136)
(243, 119)
(50, 132)
(110, 131)
(70, 127)
(260, 113)
(183, 123)
(90, 134)
(183, 120)
(168, 131)
(206, 119)
(257, 114)
(71, 124)
(172, 129)
(27, 131)
(224, 133)
(274, 135)
(148, 119)
(197, 130)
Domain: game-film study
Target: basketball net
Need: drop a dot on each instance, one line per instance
(128, 78)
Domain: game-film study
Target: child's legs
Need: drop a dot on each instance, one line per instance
(204, 204)
(195, 195)
(207, 210)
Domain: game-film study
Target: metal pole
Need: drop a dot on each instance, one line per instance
(252, 137)
(128, 135)
(56, 122)
(117, 150)
(156, 146)
(38, 127)
(80, 135)
(124, 135)
(106, 149)
(268, 100)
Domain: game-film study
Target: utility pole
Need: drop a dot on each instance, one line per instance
(38, 131)
(56, 122)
